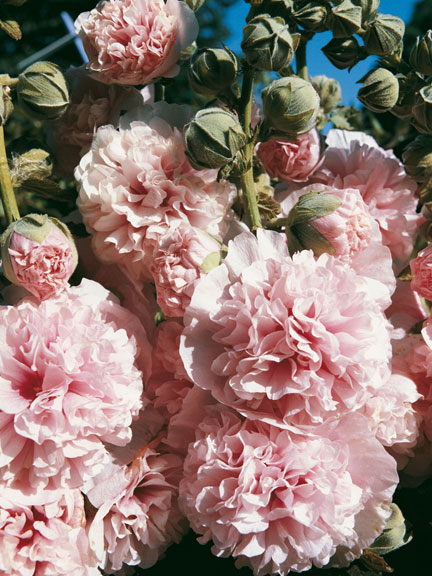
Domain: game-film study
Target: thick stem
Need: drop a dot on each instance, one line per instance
(302, 71)
(247, 179)
(6, 189)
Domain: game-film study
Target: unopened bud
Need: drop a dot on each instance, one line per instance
(195, 4)
(329, 91)
(405, 102)
(346, 19)
(42, 91)
(290, 105)
(421, 54)
(267, 43)
(281, 8)
(380, 90)
(188, 52)
(6, 106)
(212, 70)
(384, 35)
(213, 138)
(369, 9)
(35, 164)
(394, 534)
(311, 16)
(422, 110)
(343, 52)
(417, 158)
(39, 254)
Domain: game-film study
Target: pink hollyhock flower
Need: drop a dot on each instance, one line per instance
(291, 160)
(354, 160)
(137, 515)
(406, 308)
(278, 501)
(39, 254)
(169, 383)
(288, 341)
(44, 538)
(421, 267)
(136, 41)
(136, 184)
(92, 105)
(178, 263)
(68, 383)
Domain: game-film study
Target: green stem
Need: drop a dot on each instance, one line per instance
(302, 71)
(6, 189)
(159, 91)
(247, 179)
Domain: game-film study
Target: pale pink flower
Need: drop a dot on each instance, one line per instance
(278, 501)
(406, 308)
(354, 160)
(68, 383)
(136, 184)
(178, 265)
(136, 41)
(291, 160)
(421, 267)
(92, 105)
(45, 538)
(169, 383)
(137, 515)
(288, 341)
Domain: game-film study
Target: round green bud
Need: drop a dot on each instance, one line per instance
(281, 8)
(213, 138)
(421, 54)
(394, 534)
(267, 43)
(194, 4)
(384, 35)
(417, 158)
(311, 16)
(346, 19)
(188, 52)
(408, 85)
(42, 91)
(422, 110)
(291, 105)
(329, 91)
(380, 90)
(212, 70)
(342, 52)
(369, 9)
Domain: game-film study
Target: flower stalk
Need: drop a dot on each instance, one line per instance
(10, 205)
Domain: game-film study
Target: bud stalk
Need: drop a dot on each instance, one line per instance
(10, 205)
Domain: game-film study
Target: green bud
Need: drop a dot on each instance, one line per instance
(384, 35)
(267, 43)
(421, 54)
(34, 164)
(281, 8)
(408, 85)
(343, 52)
(311, 16)
(380, 90)
(212, 70)
(188, 52)
(300, 231)
(422, 110)
(194, 4)
(394, 534)
(213, 138)
(6, 106)
(369, 9)
(42, 91)
(417, 158)
(329, 91)
(346, 19)
(290, 105)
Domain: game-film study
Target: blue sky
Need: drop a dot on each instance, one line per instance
(317, 62)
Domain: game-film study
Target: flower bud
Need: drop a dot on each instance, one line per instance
(417, 158)
(311, 16)
(42, 91)
(394, 534)
(329, 91)
(369, 9)
(384, 35)
(188, 52)
(407, 89)
(39, 254)
(212, 70)
(6, 106)
(422, 110)
(267, 43)
(290, 105)
(342, 52)
(421, 54)
(194, 4)
(380, 90)
(346, 19)
(281, 8)
(213, 138)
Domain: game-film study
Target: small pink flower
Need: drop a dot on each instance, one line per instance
(69, 382)
(421, 267)
(40, 539)
(278, 501)
(136, 41)
(178, 265)
(38, 254)
(291, 160)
